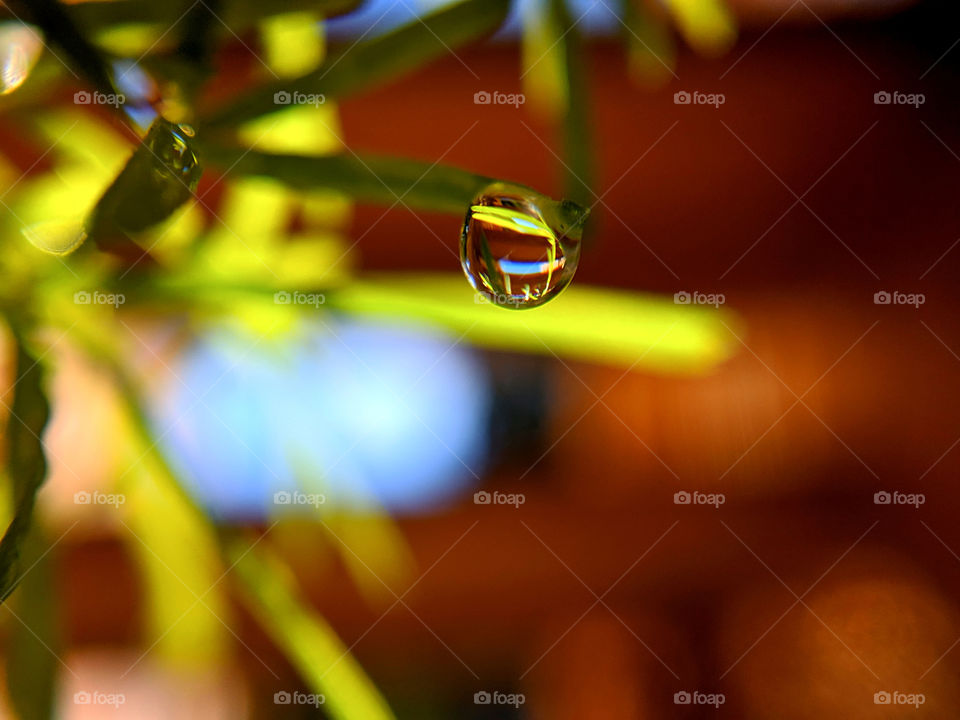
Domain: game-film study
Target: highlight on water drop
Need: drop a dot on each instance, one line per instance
(519, 248)
(175, 152)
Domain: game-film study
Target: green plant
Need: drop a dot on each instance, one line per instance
(114, 206)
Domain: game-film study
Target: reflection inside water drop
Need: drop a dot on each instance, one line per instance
(519, 248)
(175, 152)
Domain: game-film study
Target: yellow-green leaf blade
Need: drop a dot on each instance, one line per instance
(585, 323)
(307, 640)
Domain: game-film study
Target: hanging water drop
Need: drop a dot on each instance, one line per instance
(161, 176)
(519, 248)
(174, 151)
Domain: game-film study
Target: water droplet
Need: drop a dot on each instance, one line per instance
(173, 149)
(57, 237)
(520, 248)
(161, 175)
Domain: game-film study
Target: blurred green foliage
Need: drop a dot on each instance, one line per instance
(108, 203)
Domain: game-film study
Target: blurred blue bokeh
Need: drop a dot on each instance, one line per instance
(366, 415)
(376, 17)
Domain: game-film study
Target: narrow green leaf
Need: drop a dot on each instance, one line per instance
(197, 45)
(305, 637)
(26, 463)
(708, 25)
(240, 14)
(651, 49)
(32, 663)
(644, 332)
(577, 139)
(372, 179)
(237, 15)
(376, 61)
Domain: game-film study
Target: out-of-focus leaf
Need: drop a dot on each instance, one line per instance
(708, 25)
(160, 176)
(175, 545)
(374, 551)
(555, 77)
(305, 637)
(585, 323)
(198, 28)
(31, 654)
(371, 63)
(179, 562)
(651, 49)
(365, 178)
(309, 643)
(25, 461)
(298, 130)
(544, 66)
(294, 43)
(49, 208)
(237, 15)
(577, 146)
